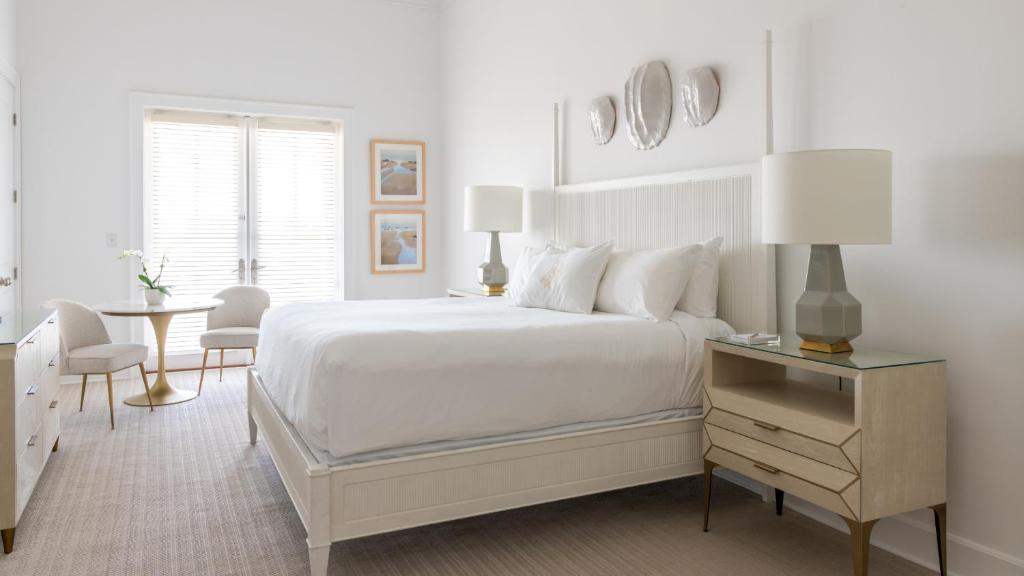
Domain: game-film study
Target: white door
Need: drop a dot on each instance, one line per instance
(8, 243)
(240, 200)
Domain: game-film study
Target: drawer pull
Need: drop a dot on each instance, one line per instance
(50, 321)
(51, 364)
(32, 440)
(766, 468)
(53, 405)
(32, 341)
(32, 390)
(766, 425)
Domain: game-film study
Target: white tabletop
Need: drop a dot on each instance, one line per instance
(170, 306)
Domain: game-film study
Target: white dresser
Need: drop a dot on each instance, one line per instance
(29, 416)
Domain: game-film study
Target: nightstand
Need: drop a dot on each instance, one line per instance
(471, 293)
(875, 448)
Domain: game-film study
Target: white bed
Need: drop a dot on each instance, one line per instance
(341, 391)
(370, 378)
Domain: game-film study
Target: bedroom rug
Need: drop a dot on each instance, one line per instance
(180, 491)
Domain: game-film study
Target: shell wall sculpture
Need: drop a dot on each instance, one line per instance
(648, 103)
(700, 96)
(602, 119)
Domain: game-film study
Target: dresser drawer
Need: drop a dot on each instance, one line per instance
(828, 487)
(845, 457)
(26, 420)
(49, 344)
(30, 464)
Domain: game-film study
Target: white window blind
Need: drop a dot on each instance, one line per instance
(195, 188)
(296, 236)
(233, 199)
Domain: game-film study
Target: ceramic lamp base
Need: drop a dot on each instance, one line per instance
(827, 315)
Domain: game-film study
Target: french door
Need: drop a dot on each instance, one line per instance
(234, 199)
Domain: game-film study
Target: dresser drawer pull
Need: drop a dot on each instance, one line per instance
(766, 468)
(32, 440)
(32, 390)
(51, 364)
(32, 341)
(53, 405)
(50, 321)
(766, 425)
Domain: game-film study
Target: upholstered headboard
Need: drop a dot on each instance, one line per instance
(667, 210)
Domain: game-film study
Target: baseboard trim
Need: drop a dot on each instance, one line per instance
(904, 536)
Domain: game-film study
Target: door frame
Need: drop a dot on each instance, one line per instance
(10, 75)
(349, 159)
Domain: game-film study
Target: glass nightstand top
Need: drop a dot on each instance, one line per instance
(17, 324)
(859, 359)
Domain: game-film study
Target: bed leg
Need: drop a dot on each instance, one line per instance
(318, 557)
(252, 430)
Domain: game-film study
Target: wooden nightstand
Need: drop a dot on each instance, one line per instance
(471, 293)
(875, 449)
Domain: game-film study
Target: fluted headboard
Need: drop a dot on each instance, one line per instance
(680, 208)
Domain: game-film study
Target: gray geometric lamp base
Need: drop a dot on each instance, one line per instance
(493, 274)
(827, 316)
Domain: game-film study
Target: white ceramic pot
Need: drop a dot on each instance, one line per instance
(154, 297)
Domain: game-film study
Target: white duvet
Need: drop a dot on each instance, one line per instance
(360, 376)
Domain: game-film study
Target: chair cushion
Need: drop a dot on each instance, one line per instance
(103, 358)
(238, 337)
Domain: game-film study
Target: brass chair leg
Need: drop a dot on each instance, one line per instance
(221, 378)
(202, 373)
(940, 536)
(145, 384)
(860, 536)
(110, 397)
(709, 466)
(82, 401)
(8, 538)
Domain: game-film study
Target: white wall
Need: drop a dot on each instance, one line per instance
(81, 59)
(8, 37)
(938, 83)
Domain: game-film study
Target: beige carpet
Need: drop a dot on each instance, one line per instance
(180, 491)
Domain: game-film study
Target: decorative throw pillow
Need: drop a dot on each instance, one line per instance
(700, 298)
(528, 258)
(565, 281)
(646, 283)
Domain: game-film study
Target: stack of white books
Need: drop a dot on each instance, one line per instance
(755, 338)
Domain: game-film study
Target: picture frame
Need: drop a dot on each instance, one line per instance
(398, 172)
(398, 241)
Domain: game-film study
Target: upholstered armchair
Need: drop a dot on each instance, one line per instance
(234, 325)
(87, 349)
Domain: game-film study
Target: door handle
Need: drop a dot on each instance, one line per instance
(6, 281)
(254, 271)
(241, 270)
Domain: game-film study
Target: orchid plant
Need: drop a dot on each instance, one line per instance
(149, 282)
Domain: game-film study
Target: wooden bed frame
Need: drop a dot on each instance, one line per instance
(343, 502)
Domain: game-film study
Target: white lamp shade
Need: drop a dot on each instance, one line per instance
(494, 209)
(827, 197)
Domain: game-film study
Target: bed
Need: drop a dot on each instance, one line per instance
(387, 415)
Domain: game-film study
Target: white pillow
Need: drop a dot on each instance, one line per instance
(700, 298)
(565, 281)
(646, 283)
(528, 258)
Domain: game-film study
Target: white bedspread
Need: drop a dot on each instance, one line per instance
(360, 376)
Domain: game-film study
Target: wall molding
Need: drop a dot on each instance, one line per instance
(903, 536)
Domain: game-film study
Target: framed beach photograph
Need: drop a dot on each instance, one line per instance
(397, 241)
(397, 172)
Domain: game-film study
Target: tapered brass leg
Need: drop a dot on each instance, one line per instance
(253, 354)
(145, 384)
(110, 397)
(860, 536)
(202, 372)
(221, 377)
(82, 401)
(709, 466)
(8, 538)
(940, 535)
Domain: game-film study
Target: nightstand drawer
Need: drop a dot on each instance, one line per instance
(846, 503)
(845, 456)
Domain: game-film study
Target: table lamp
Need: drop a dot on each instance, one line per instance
(826, 198)
(493, 209)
